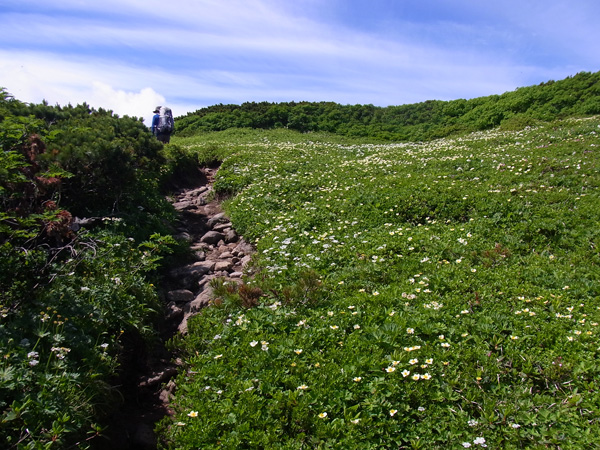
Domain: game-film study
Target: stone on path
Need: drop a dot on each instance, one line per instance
(231, 236)
(221, 266)
(184, 205)
(187, 277)
(243, 248)
(222, 227)
(217, 218)
(245, 260)
(212, 238)
(191, 308)
(195, 270)
(180, 296)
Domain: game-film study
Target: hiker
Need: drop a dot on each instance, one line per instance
(162, 124)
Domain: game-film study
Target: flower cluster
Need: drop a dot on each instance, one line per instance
(433, 281)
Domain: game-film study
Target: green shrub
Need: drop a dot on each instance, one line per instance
(574, 96)
(68, 297)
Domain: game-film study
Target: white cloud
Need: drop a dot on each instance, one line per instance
(131, 55)
(138, 104)
(33, 77)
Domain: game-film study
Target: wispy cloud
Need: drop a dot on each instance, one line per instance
(130, 55)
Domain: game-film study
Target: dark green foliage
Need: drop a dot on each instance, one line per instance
(115, 167)
(575, 96)
(114, 160)
(69, 295)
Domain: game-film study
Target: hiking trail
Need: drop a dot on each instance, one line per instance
(216, 251)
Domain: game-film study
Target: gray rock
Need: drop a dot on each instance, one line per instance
(158, 377)
(183, 205)
(184, 236)
(180, 296)
(182, 328)
(243, 248)
(199, 255)
(222, 226)
(217, 218)
(231, 236)
(245, 260)
(223, 266)
(207, 265)
(173, 313)
(188, 276)
(195, 270)
(201, 301)
(197, 192)
(205, 280)
(190, 309)
(212, 238)
(165, 396)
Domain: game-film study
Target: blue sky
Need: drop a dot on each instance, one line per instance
(131, 55)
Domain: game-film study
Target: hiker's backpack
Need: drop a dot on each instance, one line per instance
(165, 121)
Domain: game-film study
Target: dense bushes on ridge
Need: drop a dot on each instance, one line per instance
(573, 96)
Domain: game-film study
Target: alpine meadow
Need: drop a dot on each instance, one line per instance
(425, 276)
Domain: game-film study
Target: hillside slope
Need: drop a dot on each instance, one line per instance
(408, 295)
(576, 96)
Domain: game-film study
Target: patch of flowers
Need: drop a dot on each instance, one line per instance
(432, 285)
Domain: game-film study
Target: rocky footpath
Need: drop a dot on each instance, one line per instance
(217, 251)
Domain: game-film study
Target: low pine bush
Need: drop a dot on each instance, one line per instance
(80, 249)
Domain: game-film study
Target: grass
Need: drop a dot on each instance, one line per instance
(415, 295)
